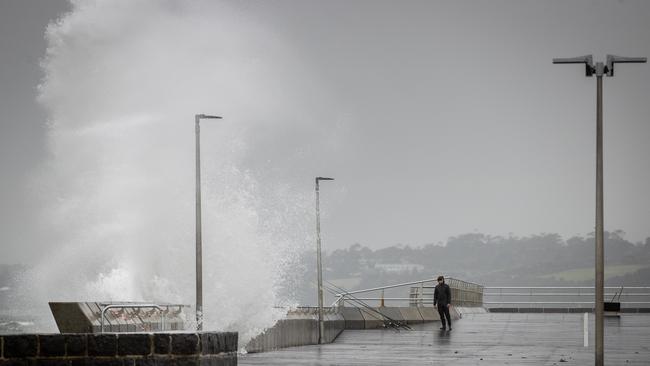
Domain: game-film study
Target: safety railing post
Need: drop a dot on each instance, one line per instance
(130, 306)
(422, 294)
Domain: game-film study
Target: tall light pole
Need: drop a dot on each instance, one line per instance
(599, 69)
(199, 254)
(319, 264)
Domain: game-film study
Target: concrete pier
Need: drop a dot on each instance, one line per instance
(300, 327)
(478, 339)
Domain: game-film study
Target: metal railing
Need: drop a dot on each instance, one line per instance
(463, 293)
(131, 306)
(470, 294)
(547, 296)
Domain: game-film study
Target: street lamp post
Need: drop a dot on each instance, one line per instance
(199, 255)
(599, 69)
(319, 264)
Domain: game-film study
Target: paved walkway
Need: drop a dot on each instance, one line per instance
(478, 339)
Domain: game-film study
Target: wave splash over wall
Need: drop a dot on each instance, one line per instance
(122, 82)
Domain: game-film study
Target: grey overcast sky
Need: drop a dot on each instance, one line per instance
(447, 117)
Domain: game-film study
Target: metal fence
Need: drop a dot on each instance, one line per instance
(128, 317)
(468, 294)
(463, 293)
(562, 297)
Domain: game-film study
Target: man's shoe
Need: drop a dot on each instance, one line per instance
(450, 329)
(443, 328)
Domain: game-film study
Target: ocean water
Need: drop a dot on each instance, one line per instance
(17, 324)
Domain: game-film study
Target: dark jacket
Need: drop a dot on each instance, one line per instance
(442, 295)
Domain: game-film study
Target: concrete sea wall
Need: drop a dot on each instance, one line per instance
(124, 349)
(300, 327)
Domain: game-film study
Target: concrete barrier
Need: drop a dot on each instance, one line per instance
(429, 314)
(299, 328)
(455, 313)
(353, 318)
(371, 319)
(206, 348)
(392, 313)
(471, 309)
(411, 315)
(334, 325)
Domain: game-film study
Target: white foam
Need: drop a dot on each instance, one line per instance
(123, 80)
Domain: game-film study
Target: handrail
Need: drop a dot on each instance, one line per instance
(559, 294)
(402, 284)
(554, 295)
(134, 306)
(403, 299)
(420, 295)
(383, 287)
(464, 288)
(557, 302)
(565, 287)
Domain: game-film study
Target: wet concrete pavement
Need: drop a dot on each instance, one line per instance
(478, 339)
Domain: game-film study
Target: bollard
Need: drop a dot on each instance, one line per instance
(586, 329)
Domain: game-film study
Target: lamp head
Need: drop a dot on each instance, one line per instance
(611, 60)
(206, 116)
(587, 60)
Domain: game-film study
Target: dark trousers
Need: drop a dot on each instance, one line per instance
(443, 310)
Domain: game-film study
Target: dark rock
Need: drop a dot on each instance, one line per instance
(185, 344)
(220, 360)
(161, 343)
(210, 343)
(107, 362)
(52, 345)
(231, 339)
(134, 344)
(164, 361)
(75, 344)
(17, 346)
(14, 362)
(102, 345)
(222, 343)
(80, 362)
(147, 361)
(50, 362)
(187, 361)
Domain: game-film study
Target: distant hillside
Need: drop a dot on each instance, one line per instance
(544, 259)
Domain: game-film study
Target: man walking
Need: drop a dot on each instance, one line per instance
(442, 298)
